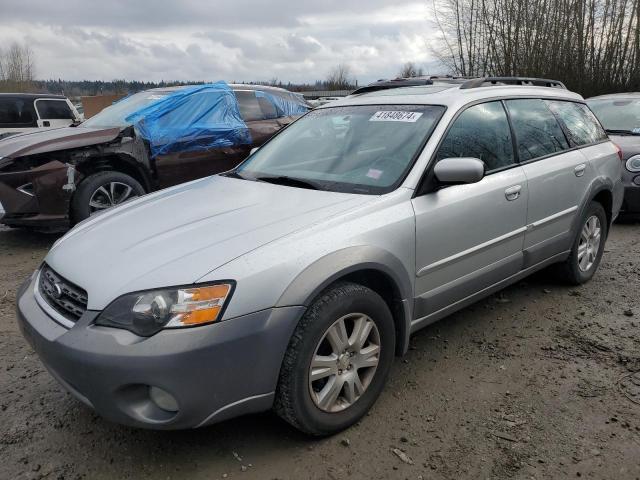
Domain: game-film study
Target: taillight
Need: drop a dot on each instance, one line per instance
(619, 151)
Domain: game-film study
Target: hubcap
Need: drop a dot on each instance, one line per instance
(110, 195)
(589, 243)
(344, 362)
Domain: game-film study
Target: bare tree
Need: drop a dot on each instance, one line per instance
(410, 70)
(16, 68)
(339, 78)
(591, 45)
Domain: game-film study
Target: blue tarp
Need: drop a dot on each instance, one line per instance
(286, 103)
(192, 119)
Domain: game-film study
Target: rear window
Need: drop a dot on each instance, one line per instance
(54, 110)
(536, 129)
(580, 124)
(16, 112)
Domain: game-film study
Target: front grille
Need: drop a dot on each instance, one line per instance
(66, 298)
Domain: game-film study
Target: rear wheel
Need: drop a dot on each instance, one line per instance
(337, 361)
(101, 191)
(588, 246)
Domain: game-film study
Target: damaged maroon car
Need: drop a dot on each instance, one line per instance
(50, 180)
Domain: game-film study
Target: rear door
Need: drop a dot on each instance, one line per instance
(469, 237)
(54, 113)
(558, 174)
(181, 167)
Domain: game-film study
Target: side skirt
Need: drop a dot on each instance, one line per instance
(419, 323)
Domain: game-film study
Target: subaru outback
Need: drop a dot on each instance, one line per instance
(292, 281)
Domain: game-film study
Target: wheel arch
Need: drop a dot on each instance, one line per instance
(372, 267)
(120, 163)
(601, 191)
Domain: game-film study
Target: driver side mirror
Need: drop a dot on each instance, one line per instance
(459, 170)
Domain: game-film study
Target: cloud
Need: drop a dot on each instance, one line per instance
(231, 40)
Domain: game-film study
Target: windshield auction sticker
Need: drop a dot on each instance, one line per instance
(395, 116)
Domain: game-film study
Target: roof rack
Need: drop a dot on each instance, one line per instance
(395, 83)
(408, 82)
(521, 81)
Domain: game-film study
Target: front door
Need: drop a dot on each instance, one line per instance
(469, 237)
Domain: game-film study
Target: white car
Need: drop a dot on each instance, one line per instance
(26, 112)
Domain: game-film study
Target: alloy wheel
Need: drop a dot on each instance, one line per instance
(589, 243)
(110, 195)
(344, 362)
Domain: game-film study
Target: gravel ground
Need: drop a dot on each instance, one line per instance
(539, 381)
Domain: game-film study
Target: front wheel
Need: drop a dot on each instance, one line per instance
(588, 246)
(337, 361)
(101, 191)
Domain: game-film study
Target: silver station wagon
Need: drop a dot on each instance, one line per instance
(292, 281)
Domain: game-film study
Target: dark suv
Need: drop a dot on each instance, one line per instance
(54, 178)
(620, 116)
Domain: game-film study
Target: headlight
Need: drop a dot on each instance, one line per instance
(146, 313)
(633, 164)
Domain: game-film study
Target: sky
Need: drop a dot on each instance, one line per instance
(232, 40)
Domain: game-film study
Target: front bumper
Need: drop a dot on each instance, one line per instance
(214, 372)
(47, 206)
(631, 203)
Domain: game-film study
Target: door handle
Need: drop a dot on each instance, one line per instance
(512, 193)
(579, 170)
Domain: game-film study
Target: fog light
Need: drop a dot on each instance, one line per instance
(636, 180)
(163, 399)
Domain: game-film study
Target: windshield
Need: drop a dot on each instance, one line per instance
(618, 114)
(355, 149)
(114, 115)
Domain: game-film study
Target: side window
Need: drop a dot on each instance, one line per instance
(481, 131)
(268, 109)
(18, 112)
(580, 123)
(536, 129)
(249, 107)
(54, 110)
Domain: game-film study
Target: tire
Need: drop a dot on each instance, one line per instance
(572, 270)
(89, 188)
(297, 399)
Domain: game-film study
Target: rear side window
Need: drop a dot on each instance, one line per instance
(54, 110)
(536, 129)
(17, 112)
(481, 131)
(268, 109)
(579, 122)
(249, 107)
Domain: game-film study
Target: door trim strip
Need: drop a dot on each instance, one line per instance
(551, 218)
(470, 251)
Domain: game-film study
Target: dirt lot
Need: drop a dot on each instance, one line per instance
(536, 382)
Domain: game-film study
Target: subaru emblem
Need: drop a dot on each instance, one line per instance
(57, 290)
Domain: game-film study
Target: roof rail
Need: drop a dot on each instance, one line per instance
(522, 81)
(409, 82)
(395, 83)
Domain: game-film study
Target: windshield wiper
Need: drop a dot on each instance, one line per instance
(621, 132)
(233, 174)
(290, 181)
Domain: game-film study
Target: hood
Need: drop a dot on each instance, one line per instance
(630, 144)
(176, 236)
(54, 139)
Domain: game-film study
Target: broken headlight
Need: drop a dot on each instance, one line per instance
(146, 313)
